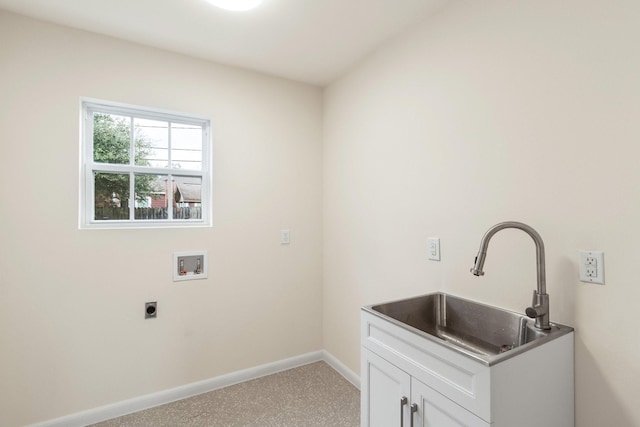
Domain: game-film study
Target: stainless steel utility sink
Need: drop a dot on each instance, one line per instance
(485, 333)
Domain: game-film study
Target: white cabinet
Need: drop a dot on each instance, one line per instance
(435, 410)
(448, 389)
(391, 398)
(388, 391)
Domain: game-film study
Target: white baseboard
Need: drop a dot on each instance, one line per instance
(125, 407)
(342, 369)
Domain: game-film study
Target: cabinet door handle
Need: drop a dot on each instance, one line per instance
(414, 409)
(403, 402)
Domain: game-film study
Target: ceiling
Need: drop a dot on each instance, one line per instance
(313, 41)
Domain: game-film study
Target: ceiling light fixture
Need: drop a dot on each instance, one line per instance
(236, 5)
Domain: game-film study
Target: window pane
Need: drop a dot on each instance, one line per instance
(152, 143)
(151, 196)
(186, 146)
(187, 197)
(111, 196)
(111, 138)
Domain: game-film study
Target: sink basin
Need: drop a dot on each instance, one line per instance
(483, 332)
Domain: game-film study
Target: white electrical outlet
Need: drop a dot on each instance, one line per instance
(434, 248)
(592, 267)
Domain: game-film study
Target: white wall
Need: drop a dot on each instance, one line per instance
(72, 332)
(490, 111)
(494, 111)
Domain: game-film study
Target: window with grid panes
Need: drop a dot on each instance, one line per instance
(143, 167)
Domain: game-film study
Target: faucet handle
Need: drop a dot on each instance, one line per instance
(534, 312)
(539, 310)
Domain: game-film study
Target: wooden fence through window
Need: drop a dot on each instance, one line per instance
(115, 213)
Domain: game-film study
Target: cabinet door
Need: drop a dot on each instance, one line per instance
(382, 391)
(435, 410)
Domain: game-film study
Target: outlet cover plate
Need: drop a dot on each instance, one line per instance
(592, 267)
(151, 310)
(434, 248)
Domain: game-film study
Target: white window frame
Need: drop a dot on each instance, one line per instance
(87, 167)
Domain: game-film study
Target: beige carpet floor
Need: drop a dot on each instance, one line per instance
(313, 395)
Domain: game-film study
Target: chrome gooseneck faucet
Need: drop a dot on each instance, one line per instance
(540, 306)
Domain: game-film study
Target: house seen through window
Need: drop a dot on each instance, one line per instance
(143, 167)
